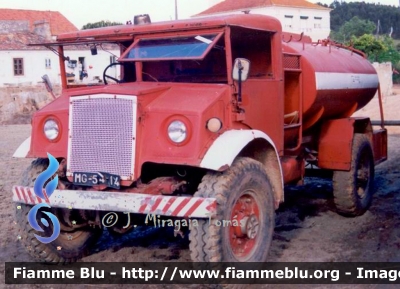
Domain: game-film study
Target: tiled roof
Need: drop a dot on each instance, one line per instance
(19, 41)
(58, 23)
(235, 5)
(297, 3)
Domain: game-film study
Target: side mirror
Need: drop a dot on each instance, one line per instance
(241, 69)
(47, 83)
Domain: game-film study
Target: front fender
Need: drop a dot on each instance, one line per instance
(227, 147)
(23, 149)
(230, 144)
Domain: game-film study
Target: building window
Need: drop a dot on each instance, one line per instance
(18, 66)
(113, 59)
(317, 22)
(72, 63)
(304, 25)
(48, 62)
(288, 21)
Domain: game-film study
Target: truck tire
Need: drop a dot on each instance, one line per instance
(353, 190)
(244, 194)
(71, 244)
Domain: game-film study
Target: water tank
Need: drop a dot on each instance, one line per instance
(335, 81)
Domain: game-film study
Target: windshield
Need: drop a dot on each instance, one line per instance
(181, 47)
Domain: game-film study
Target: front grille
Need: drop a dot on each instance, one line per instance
(102, 134)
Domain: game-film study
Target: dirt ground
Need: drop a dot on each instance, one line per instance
(307, 227)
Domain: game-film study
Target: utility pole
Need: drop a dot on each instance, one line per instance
(176, 9)
(378, 27)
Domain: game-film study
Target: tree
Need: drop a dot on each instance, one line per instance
(370, 45)
(100, 24)
(388, 16)
(391, 54)
(323, 5)
(335, 4)
(355, 27)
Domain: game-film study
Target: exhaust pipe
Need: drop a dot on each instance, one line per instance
(386, 122)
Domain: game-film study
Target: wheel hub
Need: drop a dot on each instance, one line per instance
(249, 226)
(244, 226)
(362, 177)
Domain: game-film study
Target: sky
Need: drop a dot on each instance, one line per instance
(81, 12)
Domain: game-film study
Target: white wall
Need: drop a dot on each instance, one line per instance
(315, 28)
(94, 64)
(312, 26)
(385, 74)
(35, 65)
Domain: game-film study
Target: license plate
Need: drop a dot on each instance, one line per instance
(94, 179)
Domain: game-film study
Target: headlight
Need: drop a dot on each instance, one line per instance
(51, 129)
(177, 131)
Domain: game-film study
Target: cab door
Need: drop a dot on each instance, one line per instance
(262, 92)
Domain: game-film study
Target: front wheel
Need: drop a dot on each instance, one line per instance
(68, 247)
(71, 244)
(243, 226)
(353, 190)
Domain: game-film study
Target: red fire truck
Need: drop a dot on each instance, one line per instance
(207, 121)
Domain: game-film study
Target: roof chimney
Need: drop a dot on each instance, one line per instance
(42, 28)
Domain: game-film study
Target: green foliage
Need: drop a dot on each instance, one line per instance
(355, 27)
(380, 48)
(391, 54)
(388, 16)
(100, 24)
(323, 5)
(370, 45)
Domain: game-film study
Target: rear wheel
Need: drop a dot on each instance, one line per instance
(70, 245)
(243, 226)
(353, 190)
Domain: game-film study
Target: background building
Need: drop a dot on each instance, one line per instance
(296, 16)
(22, 66)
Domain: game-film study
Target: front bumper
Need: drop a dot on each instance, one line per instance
(188, 207)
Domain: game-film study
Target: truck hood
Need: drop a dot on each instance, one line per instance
(186, 100)
(154, 97)
(158, 104)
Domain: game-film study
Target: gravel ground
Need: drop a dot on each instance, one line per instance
(307, 228)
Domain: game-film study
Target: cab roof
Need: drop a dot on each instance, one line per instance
(252, 21)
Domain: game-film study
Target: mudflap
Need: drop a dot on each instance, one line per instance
(380, 144)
